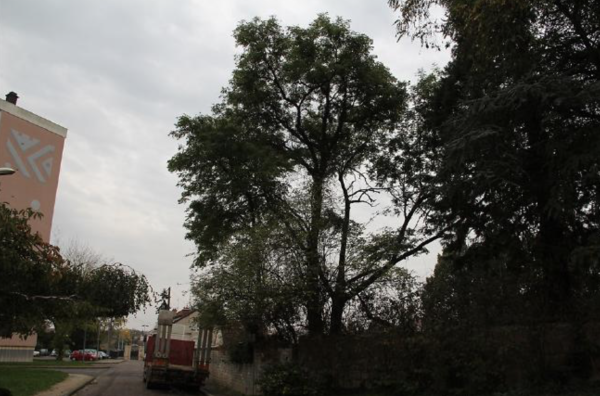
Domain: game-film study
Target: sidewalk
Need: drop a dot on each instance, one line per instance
(72, 384)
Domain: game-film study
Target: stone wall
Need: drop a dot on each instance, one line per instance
(354, 362)
(242, 378)
(382, 359)
(226, 374)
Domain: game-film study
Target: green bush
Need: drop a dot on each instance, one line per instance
(288, 380)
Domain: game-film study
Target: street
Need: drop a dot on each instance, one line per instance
(124, 379)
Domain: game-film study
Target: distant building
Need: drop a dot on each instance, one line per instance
(185, 327)
(33, 146)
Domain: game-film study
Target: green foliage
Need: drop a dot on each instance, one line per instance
(62, 331)
(116, 290)
(40, 285)
(288, 380)
(306, 131)
(36, 280)
(253, 286)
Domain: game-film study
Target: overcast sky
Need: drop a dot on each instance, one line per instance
(117, 74)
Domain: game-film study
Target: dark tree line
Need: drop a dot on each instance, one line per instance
(517, 115)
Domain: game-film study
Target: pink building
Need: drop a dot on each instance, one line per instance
(33, 146)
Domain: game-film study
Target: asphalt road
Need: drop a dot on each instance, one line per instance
(124, 379)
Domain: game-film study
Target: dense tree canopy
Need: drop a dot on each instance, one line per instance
(516, 119)
(517, 112)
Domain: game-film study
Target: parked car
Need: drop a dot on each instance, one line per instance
(83, 355)
(36, 353)
(103, 355)
(66, 353)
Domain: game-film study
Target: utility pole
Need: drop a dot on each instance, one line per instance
(98, 340)
(110, 325)
(84, 337)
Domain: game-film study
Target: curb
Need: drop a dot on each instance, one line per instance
(69, 389)
(80, 387)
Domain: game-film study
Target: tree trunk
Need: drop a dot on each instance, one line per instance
(551, 247)
(338, 304)
(339, 299)
(314, 304)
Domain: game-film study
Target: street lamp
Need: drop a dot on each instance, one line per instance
(6, 171)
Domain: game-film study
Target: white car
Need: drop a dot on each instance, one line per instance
(36, 353)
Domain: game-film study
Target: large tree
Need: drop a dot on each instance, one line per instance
(305, 132)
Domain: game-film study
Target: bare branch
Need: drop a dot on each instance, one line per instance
(37, 297)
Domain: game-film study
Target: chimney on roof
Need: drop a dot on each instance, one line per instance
(12, 97)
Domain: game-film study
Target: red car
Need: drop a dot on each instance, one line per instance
(83, 355)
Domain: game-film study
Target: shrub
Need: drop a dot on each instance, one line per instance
(288, 380)
(242, 353)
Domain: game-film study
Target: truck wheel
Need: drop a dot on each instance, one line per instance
(149, 384)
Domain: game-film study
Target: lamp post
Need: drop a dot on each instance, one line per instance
(6, 171)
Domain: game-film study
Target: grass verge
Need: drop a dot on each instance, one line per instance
(46, 363)
(27, 382)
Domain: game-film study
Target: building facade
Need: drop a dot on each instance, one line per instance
(32, 146)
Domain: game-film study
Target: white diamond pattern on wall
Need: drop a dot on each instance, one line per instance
(25, 150)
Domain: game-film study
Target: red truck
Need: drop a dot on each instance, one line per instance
(176, 361)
